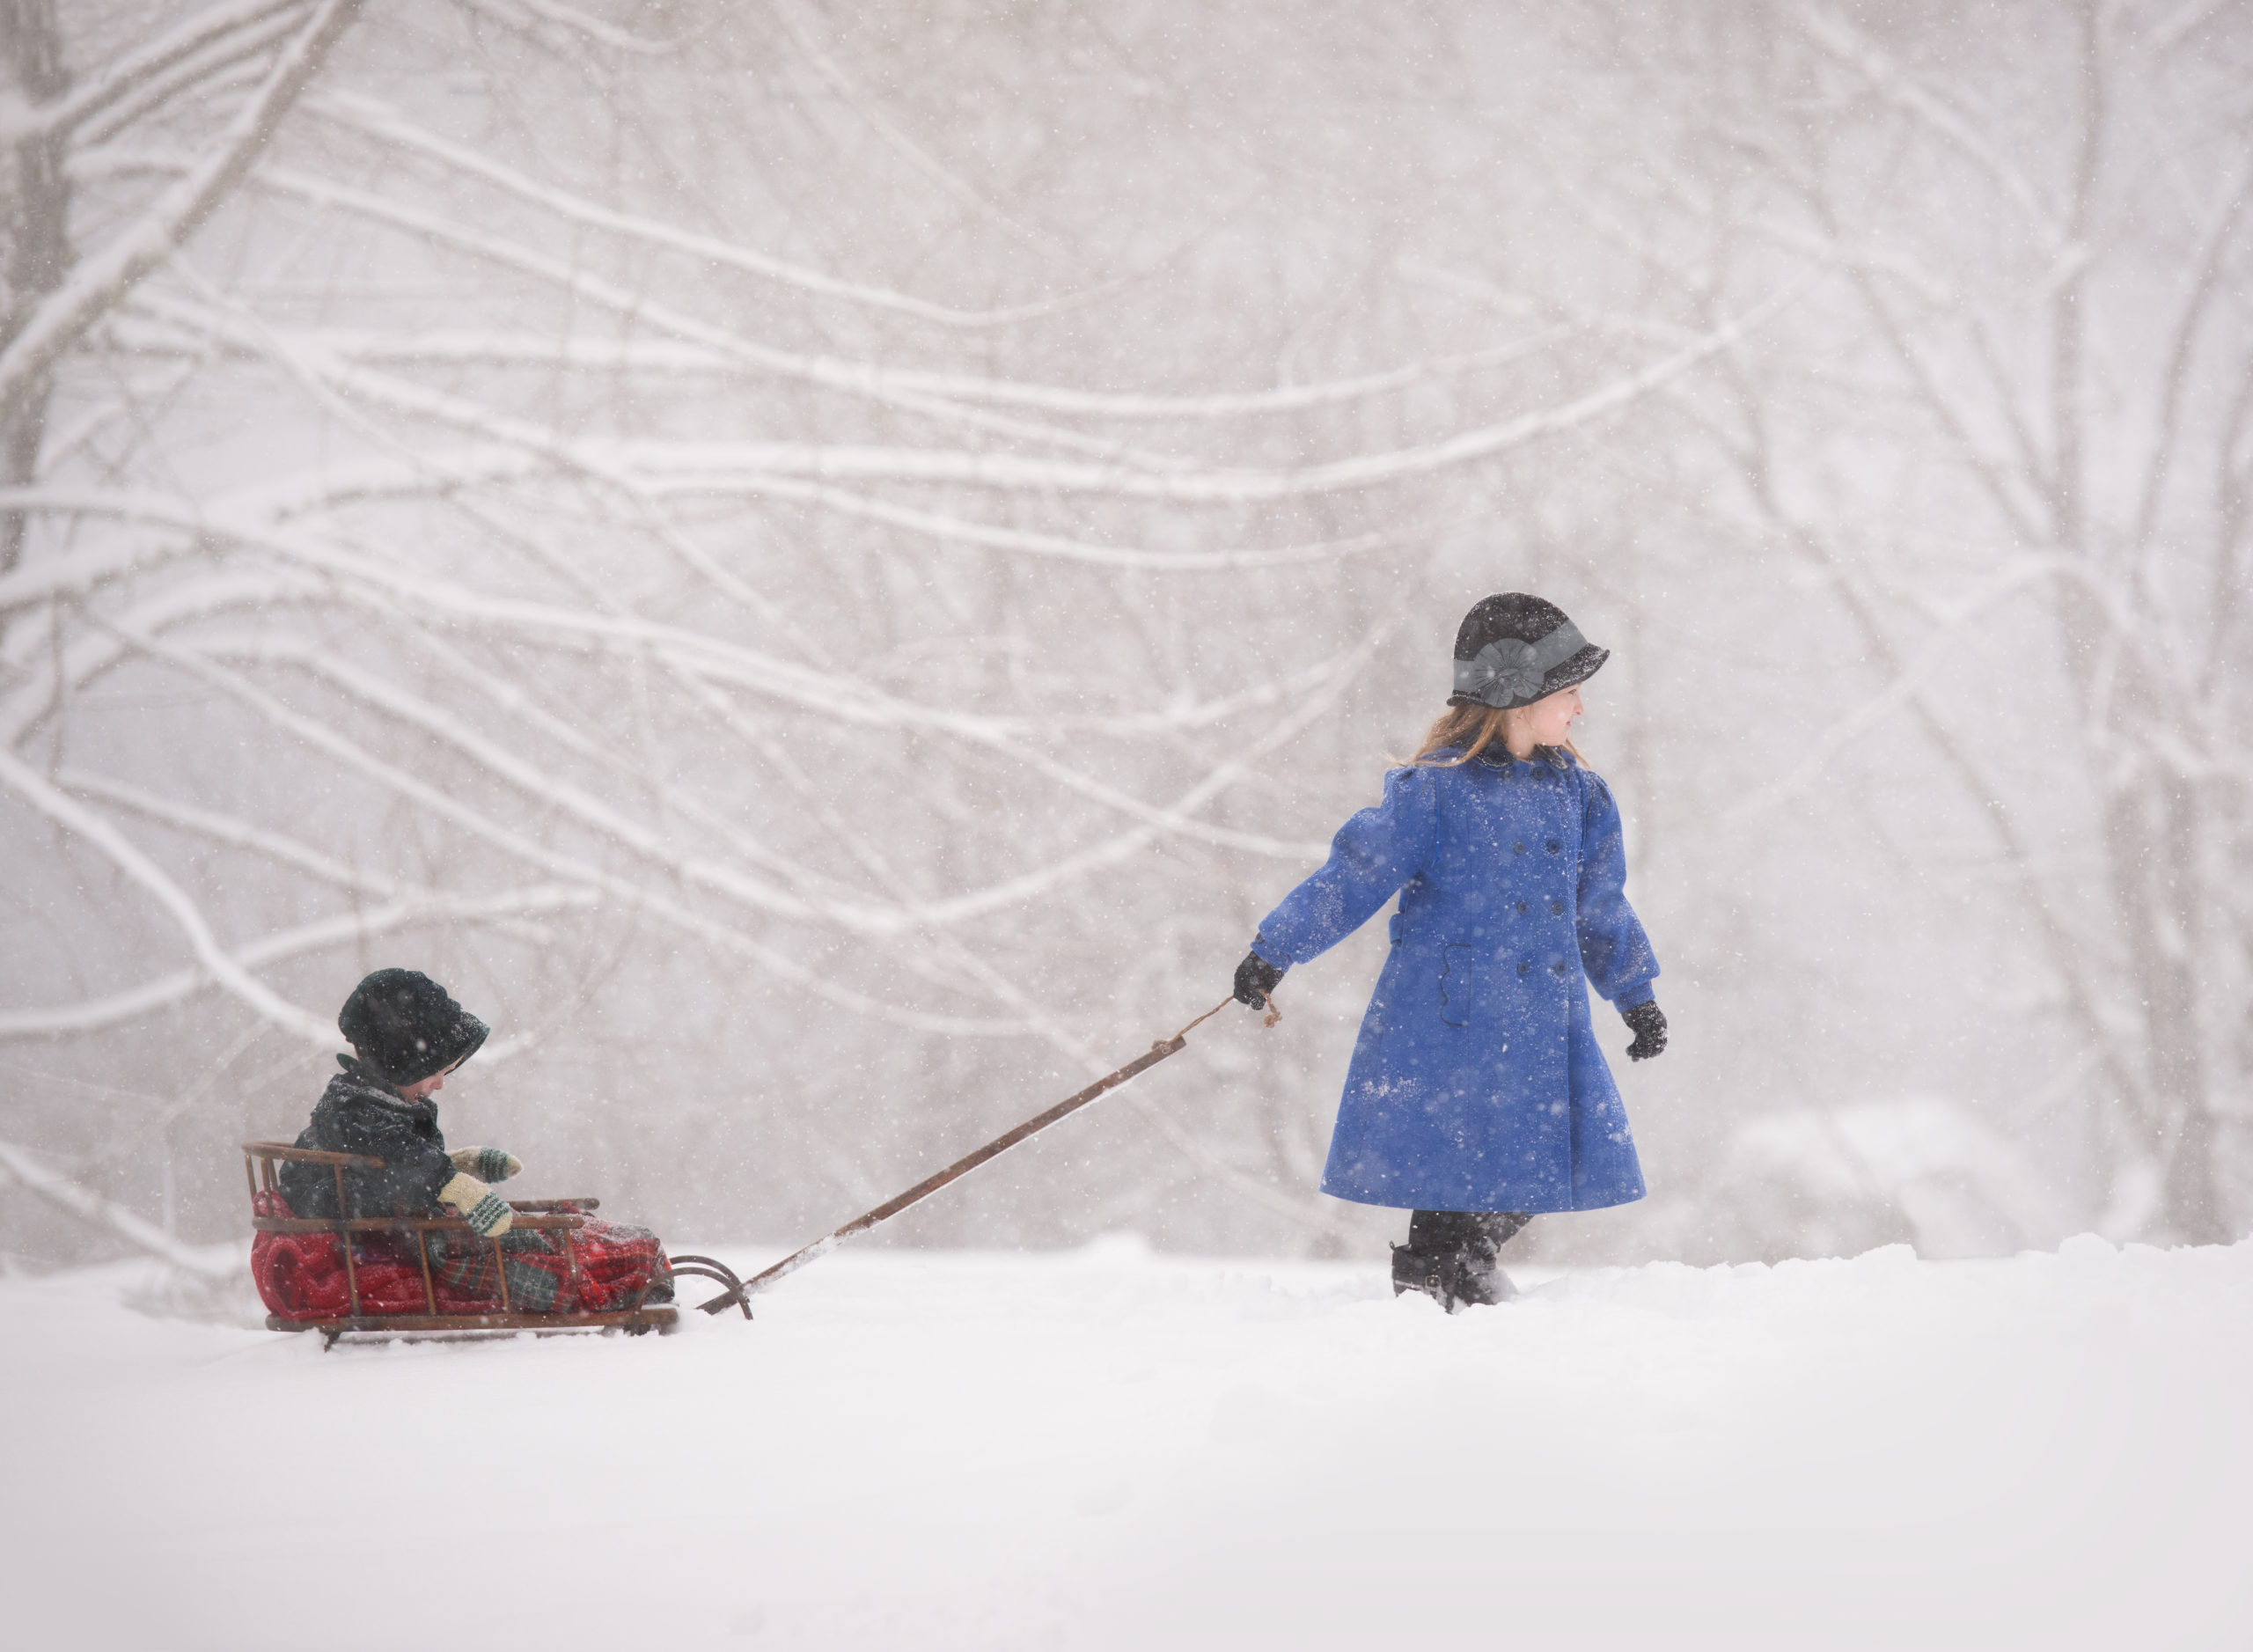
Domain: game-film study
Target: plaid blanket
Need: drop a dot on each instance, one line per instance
(599, 1267)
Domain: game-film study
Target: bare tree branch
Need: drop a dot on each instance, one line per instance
(31, 1173)
(105, 276)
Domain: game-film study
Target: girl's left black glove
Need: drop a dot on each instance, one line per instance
(1255, 978)
(1648, 1022)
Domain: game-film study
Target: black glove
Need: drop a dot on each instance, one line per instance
(1649, 1024)
(1255, 978)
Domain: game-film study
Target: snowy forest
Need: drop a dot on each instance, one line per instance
(822, 566)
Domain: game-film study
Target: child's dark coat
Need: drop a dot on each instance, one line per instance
(357, 1114)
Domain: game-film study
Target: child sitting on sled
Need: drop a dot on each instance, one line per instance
(409, 1036)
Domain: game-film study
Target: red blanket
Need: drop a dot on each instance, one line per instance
(599, 1267)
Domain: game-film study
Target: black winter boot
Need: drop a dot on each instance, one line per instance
(1451, 1257)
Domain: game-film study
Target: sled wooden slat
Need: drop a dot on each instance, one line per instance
(344, 1240)
(310, 1155)
(400, 1224)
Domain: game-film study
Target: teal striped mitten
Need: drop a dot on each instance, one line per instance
(487, 1164)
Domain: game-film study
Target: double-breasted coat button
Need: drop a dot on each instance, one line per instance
(1523, 966)
(1555, 847)
(1556, 905)
(1521, 906)
(1517, 849)
(1558, 967)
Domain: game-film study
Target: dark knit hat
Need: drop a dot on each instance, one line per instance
(406, 1026)
(1514, 649)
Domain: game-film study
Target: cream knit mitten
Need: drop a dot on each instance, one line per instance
(487, 1213)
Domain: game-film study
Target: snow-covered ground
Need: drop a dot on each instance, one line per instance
(1115, 1450)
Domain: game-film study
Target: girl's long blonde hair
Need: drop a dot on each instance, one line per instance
(1471, 729)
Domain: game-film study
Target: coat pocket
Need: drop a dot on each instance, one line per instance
(1457, 979)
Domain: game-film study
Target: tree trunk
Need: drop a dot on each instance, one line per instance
(2148, 820)
(37, 224)
(2150, 838)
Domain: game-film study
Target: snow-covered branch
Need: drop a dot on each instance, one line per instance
(794, 18)
(29, 1171)
(122, 77)
(883, 381)
(348, 928)
(92, 829)
(371, 118)
(102, 277)
(1958, 126)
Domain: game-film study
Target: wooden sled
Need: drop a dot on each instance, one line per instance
(258, 1161)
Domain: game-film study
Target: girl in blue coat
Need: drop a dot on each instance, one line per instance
(1478, 1097)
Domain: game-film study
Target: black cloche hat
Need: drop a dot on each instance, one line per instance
(407, 1026)
(1513, 649)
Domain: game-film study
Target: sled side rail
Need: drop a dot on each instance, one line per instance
(400, 1224)
(266, 1154)
(309, 1154)
(260, 1157)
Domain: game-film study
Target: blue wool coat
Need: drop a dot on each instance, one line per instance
(1476, 1082)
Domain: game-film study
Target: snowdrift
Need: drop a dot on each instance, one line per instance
(1112, 1449)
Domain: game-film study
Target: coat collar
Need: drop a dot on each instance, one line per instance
(1554, 756)
(359, 1084)
(366, 1077)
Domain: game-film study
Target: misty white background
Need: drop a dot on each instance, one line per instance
(820, 567)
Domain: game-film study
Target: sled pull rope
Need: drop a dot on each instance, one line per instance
(740, 1295)
(1275, 1014)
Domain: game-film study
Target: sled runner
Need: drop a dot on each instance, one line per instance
(389, 1275)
